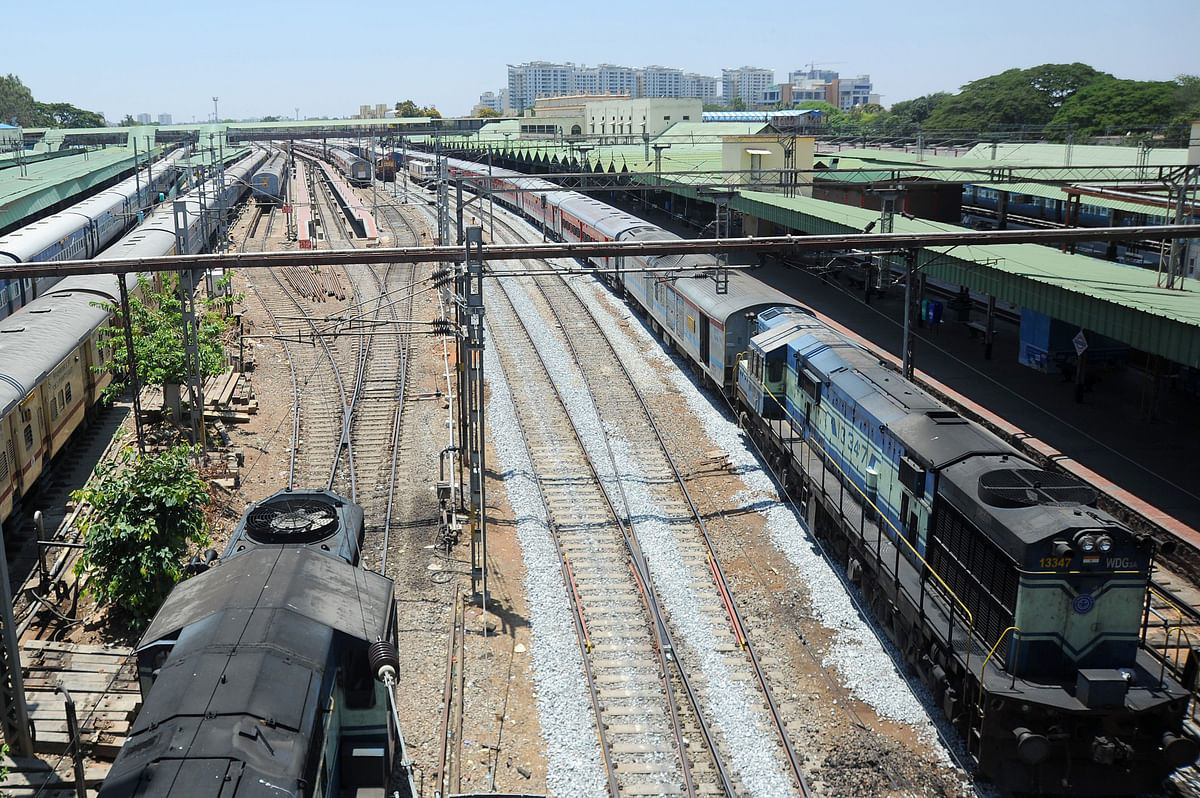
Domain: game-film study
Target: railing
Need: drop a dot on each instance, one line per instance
(956, 607)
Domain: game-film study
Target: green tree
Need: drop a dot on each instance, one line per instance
(1013, 98)
(908, 114)
(127, 121)
(1057, 83)
(158, 335)
(1187, 110)
(1117, 107)
(147, 513)
(17, 103)
(67, 115)
(736, 104)
(487, 113)
(409, 109)
(269, 119)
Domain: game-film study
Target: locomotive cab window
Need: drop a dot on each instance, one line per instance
(774, 370)
(358, 684)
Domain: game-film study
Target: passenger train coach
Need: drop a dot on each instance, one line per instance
(51, 356)
(82, 230)
(1016, 600)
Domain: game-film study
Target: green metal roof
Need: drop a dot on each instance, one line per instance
(48, 182)
(1081, 155)
(1118, 301)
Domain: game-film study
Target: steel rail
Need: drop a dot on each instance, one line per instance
(577, 614)
(718, 573)
(405, 339)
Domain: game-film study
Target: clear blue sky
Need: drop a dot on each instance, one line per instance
(268, 57)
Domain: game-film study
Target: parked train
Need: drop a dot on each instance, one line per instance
(385, 163)
(49, 348)
(270, 180)
(358, 171)
(420, 171)
(982, 206)
(272, 672)
(82, 230)
(1005, 588)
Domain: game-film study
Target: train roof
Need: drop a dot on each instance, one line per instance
(282, 581)
(744, 293)
(41, 335)
(243, 654)
(1020, 505)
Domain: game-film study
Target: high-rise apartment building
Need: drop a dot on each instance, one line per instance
(702, 86)
(143, 119)
(661, 81)
(164, 119)
(747, 84)
(527, 82)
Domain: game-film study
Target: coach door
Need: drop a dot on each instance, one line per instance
(704, 344)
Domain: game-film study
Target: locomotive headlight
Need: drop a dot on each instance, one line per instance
(1086, 543)
(1104, 543)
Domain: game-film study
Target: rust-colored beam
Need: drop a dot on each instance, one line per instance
(499, 252)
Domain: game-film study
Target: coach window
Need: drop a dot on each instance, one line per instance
(67, 392)
(28, 437)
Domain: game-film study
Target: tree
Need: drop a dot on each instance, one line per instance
(1057, 83)
(158, 335)
(1117, 107)
(269, 119)
(127, 121)
(16, 103)
(908, 114)
(146, 514)
(487, 113)
(67, 115)
(1014, 98)
(1187, 110)
(409, 109)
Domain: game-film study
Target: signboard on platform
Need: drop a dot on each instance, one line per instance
(1080, 343)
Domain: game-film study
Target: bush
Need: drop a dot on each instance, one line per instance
(146, 513)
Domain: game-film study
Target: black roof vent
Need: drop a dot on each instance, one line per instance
(292, 519)
(1027, 487)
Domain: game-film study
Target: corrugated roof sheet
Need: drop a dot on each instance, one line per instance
(1119, 301)
(1081, 155)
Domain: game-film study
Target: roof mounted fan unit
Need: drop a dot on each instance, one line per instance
(1028, 487)
(293, 519)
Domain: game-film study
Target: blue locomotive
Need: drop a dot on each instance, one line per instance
(1017, 601)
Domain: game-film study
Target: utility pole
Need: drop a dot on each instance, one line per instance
(14, 712)
(191, 342)
(471, 296)
(216, 118)
(910, 313)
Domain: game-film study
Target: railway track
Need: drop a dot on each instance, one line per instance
(381, 321)
(320, 394)
(674, 587)
(642, 748)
